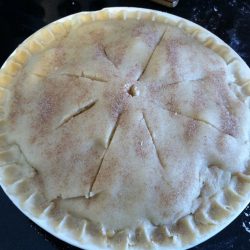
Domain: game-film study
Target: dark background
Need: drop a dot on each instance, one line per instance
(228, 19)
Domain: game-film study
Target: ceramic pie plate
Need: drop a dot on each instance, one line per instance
(191, 229)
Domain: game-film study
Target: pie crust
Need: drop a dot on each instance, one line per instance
(130, 134)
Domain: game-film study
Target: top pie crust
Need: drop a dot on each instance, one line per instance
(131, 133)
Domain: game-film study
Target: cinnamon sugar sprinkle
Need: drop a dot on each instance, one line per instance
(188, 107)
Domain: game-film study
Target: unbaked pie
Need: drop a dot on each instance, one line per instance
(126, 128)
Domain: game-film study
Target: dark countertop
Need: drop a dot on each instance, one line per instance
(228, 19)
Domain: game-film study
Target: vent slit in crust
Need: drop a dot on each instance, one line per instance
(193, 118)
(93, 78)
(194, 80)
(153, 140)
(105, 152)
(108, 58)
(76, 113)
(38, 75)
(26, 159)
(83, 75)
(204, 122)
(149, 58)
(113, 130)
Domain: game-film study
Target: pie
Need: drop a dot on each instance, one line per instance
(126, 129)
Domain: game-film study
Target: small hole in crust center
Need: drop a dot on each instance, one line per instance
(134, 91)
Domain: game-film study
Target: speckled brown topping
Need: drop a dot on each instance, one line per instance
(122, 120)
